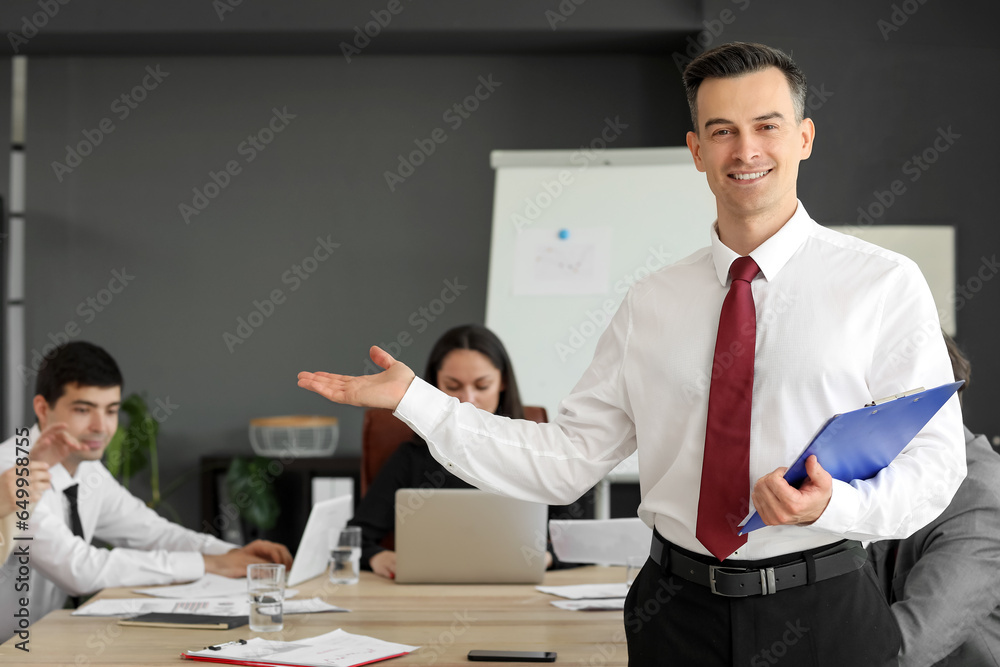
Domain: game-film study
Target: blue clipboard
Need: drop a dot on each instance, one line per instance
(858, 444)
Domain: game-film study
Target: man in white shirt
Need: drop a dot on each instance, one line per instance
(838, 323)
(78, 393)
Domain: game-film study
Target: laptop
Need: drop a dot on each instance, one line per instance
(467, 536)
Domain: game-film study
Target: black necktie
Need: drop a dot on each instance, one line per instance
(75, 524)
(74, 510)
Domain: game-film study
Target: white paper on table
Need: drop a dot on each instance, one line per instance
(607, 541)
(133, 606)
(236, 606)
(314, 549)
(310, 606)
(607, 604)
(334, 649)
(587, 591)
(209, 586)
(545, 264)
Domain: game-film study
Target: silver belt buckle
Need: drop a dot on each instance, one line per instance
(767, 584)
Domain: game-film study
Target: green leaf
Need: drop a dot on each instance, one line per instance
(113, 453)
(248, 479)
(132, 446)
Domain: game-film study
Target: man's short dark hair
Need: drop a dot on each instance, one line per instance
(738, 59)
(80, 363)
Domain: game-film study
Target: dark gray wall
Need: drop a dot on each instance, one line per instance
(322, 176)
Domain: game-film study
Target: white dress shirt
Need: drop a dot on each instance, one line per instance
(840, 322)
(151, 550)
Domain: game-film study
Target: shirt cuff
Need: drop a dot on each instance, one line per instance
(839, 515)
(186, 565)
(422, 406)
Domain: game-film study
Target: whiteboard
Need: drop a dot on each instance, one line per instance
(636, 210)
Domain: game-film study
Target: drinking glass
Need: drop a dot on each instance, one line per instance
(345, 555)
(266, 586)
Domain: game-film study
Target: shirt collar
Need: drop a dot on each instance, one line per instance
(772, 254)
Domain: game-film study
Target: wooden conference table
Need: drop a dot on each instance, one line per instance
(445, 621)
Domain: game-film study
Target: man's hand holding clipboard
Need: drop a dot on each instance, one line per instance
(860, 443)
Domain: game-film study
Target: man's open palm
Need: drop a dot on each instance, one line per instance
(381, 390)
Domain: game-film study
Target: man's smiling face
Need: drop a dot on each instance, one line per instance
(90, 414)
(749, 144)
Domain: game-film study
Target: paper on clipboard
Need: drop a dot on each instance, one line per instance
(860, 443)
(333, 649)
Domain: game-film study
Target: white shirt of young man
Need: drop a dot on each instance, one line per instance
(840, 322)
(149, 549)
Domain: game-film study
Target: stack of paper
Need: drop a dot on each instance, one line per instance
(588, 597)
(209, 586)
(231, 606)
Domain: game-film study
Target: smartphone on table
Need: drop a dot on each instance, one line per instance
(513, 656)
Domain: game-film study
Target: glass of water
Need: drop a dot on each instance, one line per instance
(345, 555)
(266, 585)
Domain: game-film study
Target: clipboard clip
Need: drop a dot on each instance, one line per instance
(219, 647)
(879, 401)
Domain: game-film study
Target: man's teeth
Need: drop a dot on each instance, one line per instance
(749, 177)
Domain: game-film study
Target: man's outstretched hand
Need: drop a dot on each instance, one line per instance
(382, 390)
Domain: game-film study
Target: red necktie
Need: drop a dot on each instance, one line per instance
(725, 474)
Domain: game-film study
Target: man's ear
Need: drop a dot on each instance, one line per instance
(694, 145)
(41, 407)
(808, 130)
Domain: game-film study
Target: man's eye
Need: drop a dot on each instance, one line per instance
(721, 132)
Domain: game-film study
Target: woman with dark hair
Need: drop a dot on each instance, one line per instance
(470, 363)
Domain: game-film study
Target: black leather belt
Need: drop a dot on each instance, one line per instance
(807, 568)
